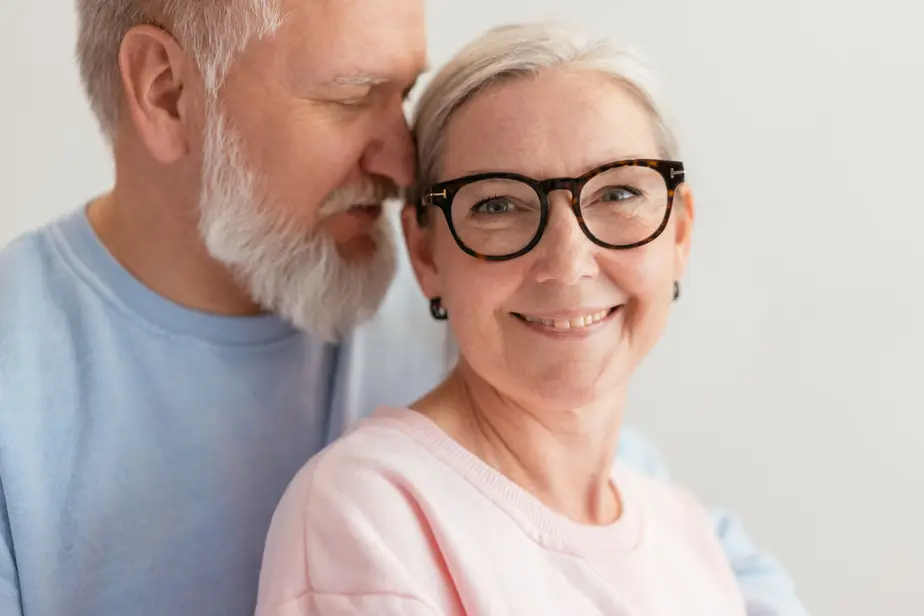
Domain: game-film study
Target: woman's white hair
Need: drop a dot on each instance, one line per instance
(516, 51)
(213, 32)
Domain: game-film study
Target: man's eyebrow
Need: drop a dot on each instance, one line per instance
(371, 79)
(359, 79)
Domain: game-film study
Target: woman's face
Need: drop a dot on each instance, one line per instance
(558, 124)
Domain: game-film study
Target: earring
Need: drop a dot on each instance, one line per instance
(436, 309)
(676, 290)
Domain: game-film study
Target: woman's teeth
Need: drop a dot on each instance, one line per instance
(575, 323)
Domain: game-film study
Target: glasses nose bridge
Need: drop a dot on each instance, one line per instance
(555, 184)
(574, 187)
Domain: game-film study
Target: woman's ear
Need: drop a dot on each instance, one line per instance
(419, 240)
(683, 214)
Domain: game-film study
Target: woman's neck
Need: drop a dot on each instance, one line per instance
(564, 458)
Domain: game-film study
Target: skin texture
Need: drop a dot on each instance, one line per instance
(307, 125)
(546, 410)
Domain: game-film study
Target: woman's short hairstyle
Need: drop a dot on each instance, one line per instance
(516, 51)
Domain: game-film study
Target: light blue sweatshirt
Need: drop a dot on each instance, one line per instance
(144, 446)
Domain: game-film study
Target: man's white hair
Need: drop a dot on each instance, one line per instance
(213, 32)
(515, 51)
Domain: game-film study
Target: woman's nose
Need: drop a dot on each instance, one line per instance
(565, 254)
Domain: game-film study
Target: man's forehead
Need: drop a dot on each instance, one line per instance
(358, 41)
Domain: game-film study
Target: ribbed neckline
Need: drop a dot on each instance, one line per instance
(543, 524)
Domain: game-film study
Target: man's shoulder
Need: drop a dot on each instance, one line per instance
(637, 452)
(25, 257)
(37, 290)
(30, 277)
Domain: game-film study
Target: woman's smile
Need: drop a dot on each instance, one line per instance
(571, 324)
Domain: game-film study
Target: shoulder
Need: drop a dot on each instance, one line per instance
(640, 454)
(375, 463)
(31, 284)
(35, 273)
(660, 495)
(364, 483)
(43, 301)
(26, 264)
(350, 522)
(679, 534)
(673, 515)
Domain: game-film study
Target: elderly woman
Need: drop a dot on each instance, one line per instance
(552, 227)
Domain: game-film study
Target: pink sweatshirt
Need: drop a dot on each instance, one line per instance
(396, 518)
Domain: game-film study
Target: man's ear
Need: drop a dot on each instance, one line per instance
(419, 240)
(160, 88)
(684, 214)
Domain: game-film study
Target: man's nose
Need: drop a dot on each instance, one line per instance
(566, 255)
(391, 154)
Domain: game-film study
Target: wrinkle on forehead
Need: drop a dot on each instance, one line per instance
(334, 39)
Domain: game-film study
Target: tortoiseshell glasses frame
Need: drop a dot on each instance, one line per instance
(441, 196)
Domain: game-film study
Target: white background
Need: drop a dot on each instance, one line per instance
(789, 384)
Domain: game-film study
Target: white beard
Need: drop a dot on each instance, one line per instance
(300, 276)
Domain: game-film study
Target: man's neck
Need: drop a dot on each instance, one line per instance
(158, 242)
(564, 458)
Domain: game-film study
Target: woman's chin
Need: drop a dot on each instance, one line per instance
(566, 387)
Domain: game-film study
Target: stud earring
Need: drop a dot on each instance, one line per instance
(436, 309)
(676, 290)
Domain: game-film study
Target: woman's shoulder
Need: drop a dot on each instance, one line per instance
(659, 496)
(350, 522)
(673, 515)
(379, 449)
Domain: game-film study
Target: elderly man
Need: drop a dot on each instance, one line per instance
(171, 353)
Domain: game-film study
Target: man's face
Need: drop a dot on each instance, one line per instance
(304, 141)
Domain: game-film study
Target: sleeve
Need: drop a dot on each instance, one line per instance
(10, 602)
(767, 586)
(10, 596)
(347, 542)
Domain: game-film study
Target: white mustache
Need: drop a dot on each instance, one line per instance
(366, 193)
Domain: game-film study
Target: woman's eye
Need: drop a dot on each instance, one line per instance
(493, 206)
(619, 193)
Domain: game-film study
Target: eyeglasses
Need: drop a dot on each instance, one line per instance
(501, 216)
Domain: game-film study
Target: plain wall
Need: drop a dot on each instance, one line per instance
(788, 386)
